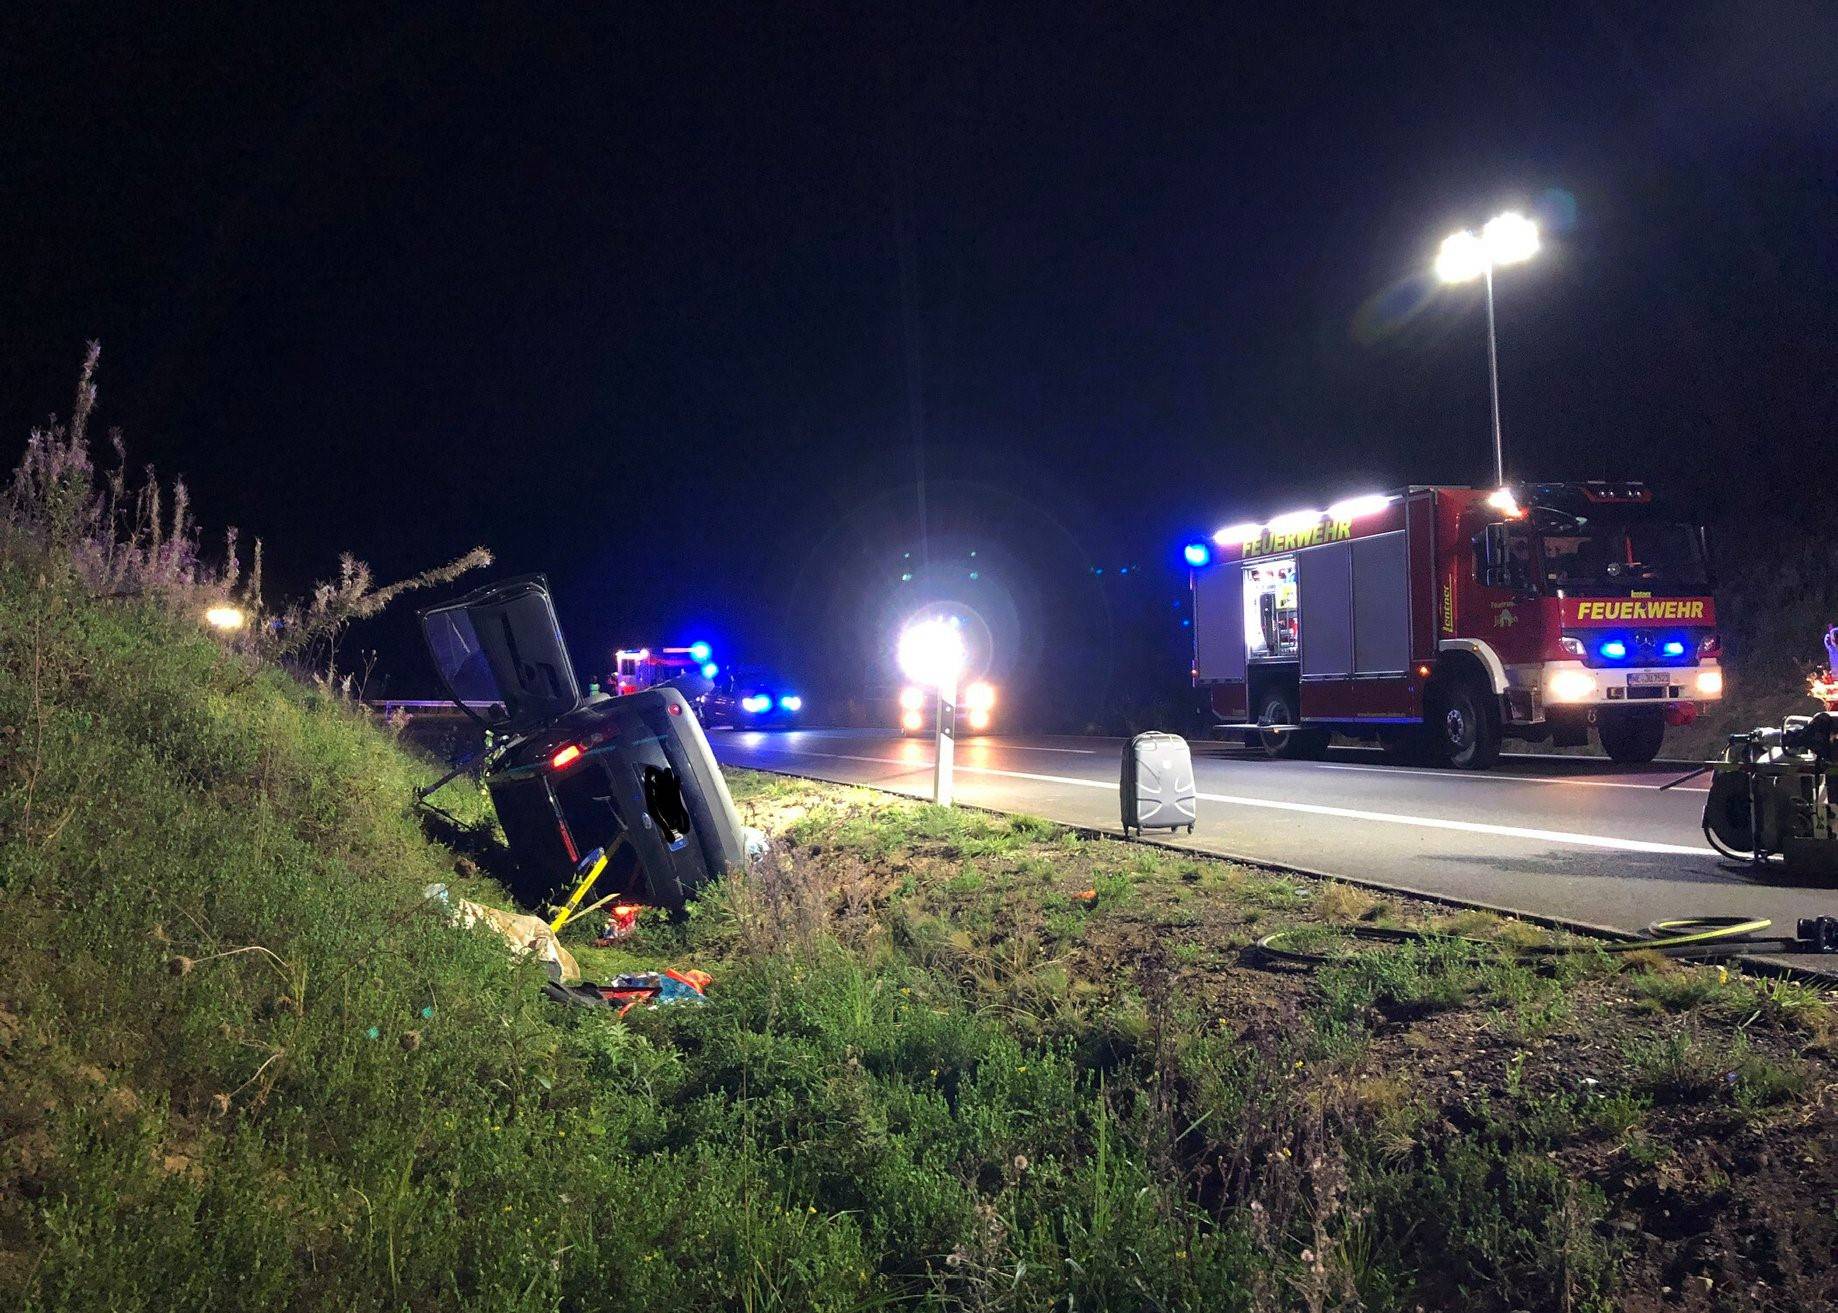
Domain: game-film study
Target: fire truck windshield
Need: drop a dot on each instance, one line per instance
(1610, 556)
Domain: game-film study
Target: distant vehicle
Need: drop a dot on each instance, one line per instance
(639, 668)
(976, 707)
(1443, 620)
(630, 775)
(751, 699)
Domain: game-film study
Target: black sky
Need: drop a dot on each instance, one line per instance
(685, 305)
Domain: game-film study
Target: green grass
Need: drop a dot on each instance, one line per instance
(243, 1065)
(247, 1067)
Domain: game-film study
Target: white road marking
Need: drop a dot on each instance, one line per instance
(1471, 827)
(1317, 809)
(1024, 747)
(1410, 772)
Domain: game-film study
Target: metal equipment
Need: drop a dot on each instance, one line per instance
(1775, 794)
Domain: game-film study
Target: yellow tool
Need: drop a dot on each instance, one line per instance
(593, 864)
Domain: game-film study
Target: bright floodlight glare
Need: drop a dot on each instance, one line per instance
(980, 696)
(1351, 508)
(225, 617)
(1510, 238)
(912, 720)
(912, 698)
(1294, 520)
(1503, 501)
(1463, 256)
(931, 652)
(1233, 534)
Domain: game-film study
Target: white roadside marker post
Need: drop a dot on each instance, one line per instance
(946, 750)
(932, 653)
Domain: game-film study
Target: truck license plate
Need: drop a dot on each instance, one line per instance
(1649, 676)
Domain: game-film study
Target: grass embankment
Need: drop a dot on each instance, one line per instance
(244, 1066)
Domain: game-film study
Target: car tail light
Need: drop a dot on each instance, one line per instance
(564, 756)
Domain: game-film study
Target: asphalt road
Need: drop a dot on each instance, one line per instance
(1575, 839)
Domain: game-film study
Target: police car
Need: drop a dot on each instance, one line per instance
(751, 699)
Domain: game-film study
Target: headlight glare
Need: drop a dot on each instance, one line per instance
(1571, 686)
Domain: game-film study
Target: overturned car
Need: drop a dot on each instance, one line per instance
(568, 774)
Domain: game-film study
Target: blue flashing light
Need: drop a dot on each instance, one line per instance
(700, 652)
(710, 670)
(791, 702)
(1197, 554)
(754, 703)
(1614, 649)
(1672, 647)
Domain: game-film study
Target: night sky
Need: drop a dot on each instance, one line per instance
(713, 313)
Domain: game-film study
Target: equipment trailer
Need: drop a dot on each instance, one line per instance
(1441, 620)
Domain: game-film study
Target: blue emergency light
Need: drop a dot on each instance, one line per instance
(1673, 648)
(1614, 649)
(700, 652)
(791, 702)
(1197, 554)
(710, 670)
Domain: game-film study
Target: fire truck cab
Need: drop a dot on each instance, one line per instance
(1440, 621)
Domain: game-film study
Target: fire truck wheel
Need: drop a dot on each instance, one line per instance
(1279, 708)
(1632, 738)
(1466, 721)
(1404, 745)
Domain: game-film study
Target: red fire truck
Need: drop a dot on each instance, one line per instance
(1439, 621)
(638, 668)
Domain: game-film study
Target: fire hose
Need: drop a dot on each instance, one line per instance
(1694, 936)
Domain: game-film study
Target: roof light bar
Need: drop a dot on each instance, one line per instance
(1294, 520)
(1351, 508)
(1237, 533)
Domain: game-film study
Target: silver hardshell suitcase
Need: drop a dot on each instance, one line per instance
(1158, 789)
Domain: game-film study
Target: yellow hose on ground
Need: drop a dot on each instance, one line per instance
(1680, 935)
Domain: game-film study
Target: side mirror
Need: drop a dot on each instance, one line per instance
(1493, 564)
